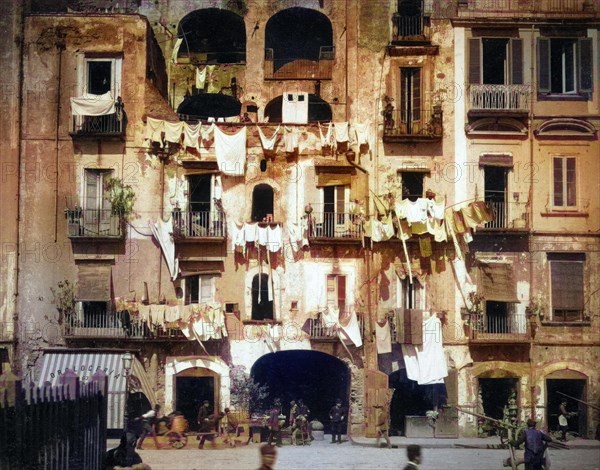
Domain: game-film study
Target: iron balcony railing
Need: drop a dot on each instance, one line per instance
(409, 28)
(93, 223)
(508, 215)
(413, 123)
(519, 8)
(506, 327)
(318, 330)
(199, 224)
(106, 125)
(276, 68)
(335, 225)
(499, 97)
(116, 325)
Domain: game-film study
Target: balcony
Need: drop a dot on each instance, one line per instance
(106, 125)
(113, 325)
(94, 224)
(318, 330)
(198, 225)
(498, 329)
(335, 226)
(300, 69)
(508, 216)
(497, 99)
(525, 8)
(417, 126)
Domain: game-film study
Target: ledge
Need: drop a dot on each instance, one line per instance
(262, 322)
(564, 214)
(567, 323)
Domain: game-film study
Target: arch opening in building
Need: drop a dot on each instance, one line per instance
(559, 384)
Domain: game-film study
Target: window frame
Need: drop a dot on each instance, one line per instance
(514, 60)
(554, 259)
(84, 59)
(564, 183)
(334, 300)
(209, 278)
(101, 196)
(401, 179)
(410, 296)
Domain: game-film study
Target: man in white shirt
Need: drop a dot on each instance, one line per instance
(148, 421)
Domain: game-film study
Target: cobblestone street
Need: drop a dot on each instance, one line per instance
(324, 456)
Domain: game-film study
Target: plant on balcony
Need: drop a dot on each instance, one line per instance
(64, 299)
(122, 197)
(474, 310)
(246, 394)
(536, 307)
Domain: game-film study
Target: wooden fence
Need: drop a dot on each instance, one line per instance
(53, 428)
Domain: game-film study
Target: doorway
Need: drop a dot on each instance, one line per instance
(576, 390)
(495, 395)
(495, 194)
(192, 387)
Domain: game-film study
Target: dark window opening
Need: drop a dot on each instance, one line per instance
(495, 182)
(334, 208)
(567, 281)
(99, 76)
(262, 307)
(207, 105)
(412, 184)
(495, 59)
(318, 109)
(190, 393)
(213, 36)
(495, 394)
(262, 202)
(565, 66)
(497, 319)
(576, 388)
(410, 18)
(410, 97)
(298, 33)
(4, 359)
(95, 314)
(199, 192)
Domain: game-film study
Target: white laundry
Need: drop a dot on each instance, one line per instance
(173, 131)
(304, 232)
(218, 188)
(411, 362)
(176, 47)
(362, 133)
(295, 234)
(191, 135)
(330, 317)
(327, 138)
(200, 77)
(238, 237)
(417, 211)
(274, 238)
(230, 151)
(268, 143)
(383, 337)
(437, 207)
(352, 330)
(250, 232)
(432, 360)
(206, 132)
(154, 129)
(162, 231)
(263, 237)
(93, 105)
(341, 132)
(294, 108)
(290, 139)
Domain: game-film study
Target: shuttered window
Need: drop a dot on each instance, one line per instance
(199, 289)
(410, 97)
(567, 283)
(336, 291)
(565, 182)
(516, 46)
(496, 61)
(565, 65)
(475, 61)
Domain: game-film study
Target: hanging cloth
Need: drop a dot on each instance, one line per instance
(383, 337)
(154, 129)
(191, 135)
(274, 238)
(268, 143)
(327, 138)
(176, 47)
(201, 77)
(173, 131)
(93, 105)
(162, 232)
(352, 330)
(231, 152)
(290, 139)
(341, 132)
(362, 133)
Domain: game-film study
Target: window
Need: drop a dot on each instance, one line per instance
(199, 289)
(410, 21)
(566, 280)
(262, 202)
(336, 200)
(495, 192)
(410, 295)
(95, 196)
(565, 183)
(336, 291)
(565, 65)
(203, 212)
(99, 75)
(410, 98)
(496, 61)
(262, 297)
(412, 184)
(95, 315)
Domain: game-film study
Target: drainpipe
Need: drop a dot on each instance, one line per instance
(60, 45)
(530, 213)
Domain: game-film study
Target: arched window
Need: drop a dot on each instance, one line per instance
(318, 109)
(262, 202)
(262, 298)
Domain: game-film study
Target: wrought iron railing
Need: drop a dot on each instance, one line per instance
(525, 7)
(499, 97)
(407, 28)
(299, 69)
(508, 215)
(93, 223)
(335, 225)
(106, 125)
(507, 327)
(199, 224)
(413, 123)
(318, 329)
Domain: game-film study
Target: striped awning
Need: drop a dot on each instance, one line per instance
(85, 364)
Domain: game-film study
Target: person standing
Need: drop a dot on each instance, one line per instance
(383, 426)
(148, 421)
(230, 424)
(203, 416)
(293, 413)
(563, 420)
(337, 415)
(274, 424)
(413, 452)
(535, 445)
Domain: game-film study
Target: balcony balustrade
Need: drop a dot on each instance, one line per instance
(413, 125)
(508, 216)
(514, 98)
(521, 8)
(318, 329)
(108, 125)
(93, 223)
(508, 328)
(335, 225)
(199, 224)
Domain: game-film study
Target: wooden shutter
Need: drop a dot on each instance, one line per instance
(377, 393)
(516, 46)
(341, 293)
(585, 65)
(93, 282)
(475, 61)
(567, 285)
(206, 283)
(543, 65)
(92, 183)
(416, 95)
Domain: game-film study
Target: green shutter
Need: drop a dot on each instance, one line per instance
(516, 46)
(585, 65)
(543, 65)
(475, 61)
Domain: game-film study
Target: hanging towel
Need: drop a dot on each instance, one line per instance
(341, 132)
(268, 143)
(294, 108)
(200, 77)
(274, 238)
(290, 139)
(432, 360)
(176, 47)
(437, 207)
(330, 317)
(191, 135)
(93, 105)
(470, 216)
(162, 232)
(218, 188)
(250, 232)
(154, 129)
(327, 138)
(362, 133)
(173, 131)
(262, 235)
(411, 362)
(352, 330)
(383, 337)
(425, 247)
(238, 241)
(231, 152)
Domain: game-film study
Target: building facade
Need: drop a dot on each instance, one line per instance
(293, 190)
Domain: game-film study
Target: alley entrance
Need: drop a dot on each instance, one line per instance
(315, 377)
(575, 388)
(192, 387)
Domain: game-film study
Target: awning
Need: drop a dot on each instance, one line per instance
(93, 281)
(193, 268)
(86, 364)
(496, 159)
(498, 282)
(333, 179)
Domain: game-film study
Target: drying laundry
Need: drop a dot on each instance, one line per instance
(362, 133)
(274, 238)
(290, 139)
(432, 360)
(162, 232)
(201, 77)
(154, 129)
(326, 140)
(176, 47)
(93, 105)
(191, 135)
(411, 361)
(262, 235)
(351, 330)
(268, 143)
(294, 108)
(173, 131)
(425, 247)
(470, 216)
(230, 150)
(341, 132)
(383, 338)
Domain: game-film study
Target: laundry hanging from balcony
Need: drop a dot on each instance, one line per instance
(230, 150)
(383, 337)
(162, 231)
(268, 143)
(93, 105)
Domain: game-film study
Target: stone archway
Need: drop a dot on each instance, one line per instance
(176, 365)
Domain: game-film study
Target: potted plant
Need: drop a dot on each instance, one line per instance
(122, 197)
(536, 308)
(473, 313)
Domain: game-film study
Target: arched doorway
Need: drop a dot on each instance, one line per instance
(573, 384)
(315, 377)
(192, 387)
(262, 297)
(318, 109)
